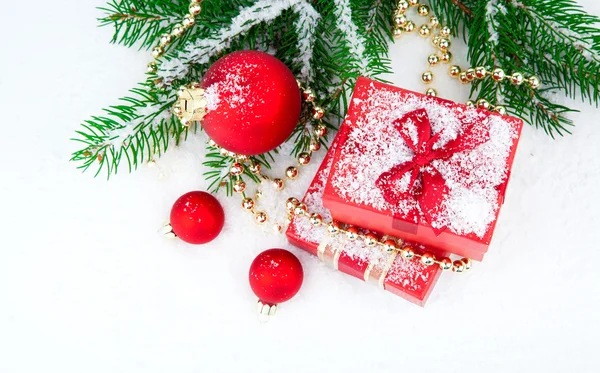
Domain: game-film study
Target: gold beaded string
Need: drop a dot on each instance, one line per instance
(189, 20)
(388, 244)
(440, 39)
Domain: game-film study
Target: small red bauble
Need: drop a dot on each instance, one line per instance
(197, 217)
(253, 102)
(276, 275)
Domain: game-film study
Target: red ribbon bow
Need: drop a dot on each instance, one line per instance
(431, 191)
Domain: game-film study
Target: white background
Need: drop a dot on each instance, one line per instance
(87, 284)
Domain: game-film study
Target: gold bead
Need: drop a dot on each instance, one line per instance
(278, 184)
(315, 146)
(291, 172)
(413, 2)
(409, 26)
(304, 159)
(407, 252)
(470, 72)
(498, 74)
(152, 67)
(352, 233)
(480, 72)
(454, 71)
(320, 131)
(400, 19)
(308, 95)
(500, 109)
(445, 31)
(446, 57)
(300, 209)
(444, 44)
(224, 152)
(427, 259)
(434, 21)
(446, 264)
(470, 104)
(178, 30)
(239, 186)
(242, 158)
(424, 31)
(534, 82)
(370, 240)
(248, 204)
(315, 220)
(462, 76)
(431, 92)
(291, 204)
(467, 262)
(482, 103)
(157, 51)
(333, 227)
(259, 194)
(165, 39)
(423, 10)
(402, 6)
(236, 169)
(260, 217)
(517, 79)
(433, 59)
(195, 8)
(458, 266)
(427, 77)
(397, 32)
(318, 112)
(436, 40)
(255, 168)
(188, 21)
(389, 245)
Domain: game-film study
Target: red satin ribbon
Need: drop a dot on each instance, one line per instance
(431, 191)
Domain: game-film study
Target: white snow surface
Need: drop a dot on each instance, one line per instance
(88, 285)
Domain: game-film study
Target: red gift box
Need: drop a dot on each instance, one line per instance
(421, 168)
(409, 279)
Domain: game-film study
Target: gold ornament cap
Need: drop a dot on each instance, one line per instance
(191, 105)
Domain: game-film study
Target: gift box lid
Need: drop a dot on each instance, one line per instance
(421, 167)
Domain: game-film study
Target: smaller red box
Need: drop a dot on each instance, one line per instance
(421, 168)
(410, 280)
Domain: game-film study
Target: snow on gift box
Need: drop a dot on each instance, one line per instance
(409, 279)
(421, 168)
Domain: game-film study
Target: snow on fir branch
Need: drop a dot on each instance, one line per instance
(355, 40)
(202, 50)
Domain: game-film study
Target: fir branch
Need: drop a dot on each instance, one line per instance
(141, 22)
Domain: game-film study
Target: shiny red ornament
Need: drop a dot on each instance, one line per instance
(275, 276)
(197, 217)
(253, 102)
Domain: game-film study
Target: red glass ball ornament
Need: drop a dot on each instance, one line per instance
(253, 102)
(276, 275)
(197, 217)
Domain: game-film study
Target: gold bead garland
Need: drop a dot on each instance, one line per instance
(440, 38)
(388, 244)
(189, 20)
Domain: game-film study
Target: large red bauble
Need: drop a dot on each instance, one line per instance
(276, 275)
(197, 217)
(253, 102)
